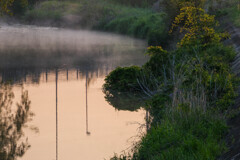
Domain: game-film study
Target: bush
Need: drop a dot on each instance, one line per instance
(123, 79)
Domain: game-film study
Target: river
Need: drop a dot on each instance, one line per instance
(63, 72)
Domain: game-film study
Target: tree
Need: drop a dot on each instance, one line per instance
(4, 6)
(198, 27)
(19, 7)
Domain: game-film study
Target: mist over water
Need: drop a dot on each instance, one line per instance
(30, 50)
(36, 48)
(66, 46)
(63, 72)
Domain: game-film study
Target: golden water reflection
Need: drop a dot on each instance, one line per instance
(92, 134)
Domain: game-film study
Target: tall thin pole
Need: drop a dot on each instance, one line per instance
(56, 114)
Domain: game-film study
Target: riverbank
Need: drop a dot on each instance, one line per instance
(103, 15)
(191, 92)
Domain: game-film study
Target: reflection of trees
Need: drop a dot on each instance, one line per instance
(19, 63)
(12, 120)
(124, 101)
(19, 75)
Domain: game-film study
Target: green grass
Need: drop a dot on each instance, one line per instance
(234, 15)
(194, 136)
(139, 23)
(52, 10)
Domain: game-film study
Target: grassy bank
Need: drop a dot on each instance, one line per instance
(189, 104)
(196, 136)
(234, 14)
(190, 92)
(103, 15)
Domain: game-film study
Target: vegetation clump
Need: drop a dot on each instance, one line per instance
(123, 79)
(5, 5)
(197, 26)
(191, 89)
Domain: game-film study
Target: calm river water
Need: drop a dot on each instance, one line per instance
(63, 72)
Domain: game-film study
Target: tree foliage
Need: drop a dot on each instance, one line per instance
(197, 26)
(4, 6)
(19, 7)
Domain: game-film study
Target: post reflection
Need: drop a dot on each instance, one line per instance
(87, 131)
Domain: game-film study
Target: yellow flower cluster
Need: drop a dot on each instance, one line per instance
(197, 25)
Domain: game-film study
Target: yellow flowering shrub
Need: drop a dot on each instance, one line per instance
(197, 26)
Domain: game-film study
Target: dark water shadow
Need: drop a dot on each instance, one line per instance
(124, 101)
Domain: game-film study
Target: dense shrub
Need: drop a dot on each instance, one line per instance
(123, 79)
(208, 67)
(198, 27)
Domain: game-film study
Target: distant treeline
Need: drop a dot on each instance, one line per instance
(19, 7)
(136, 3)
